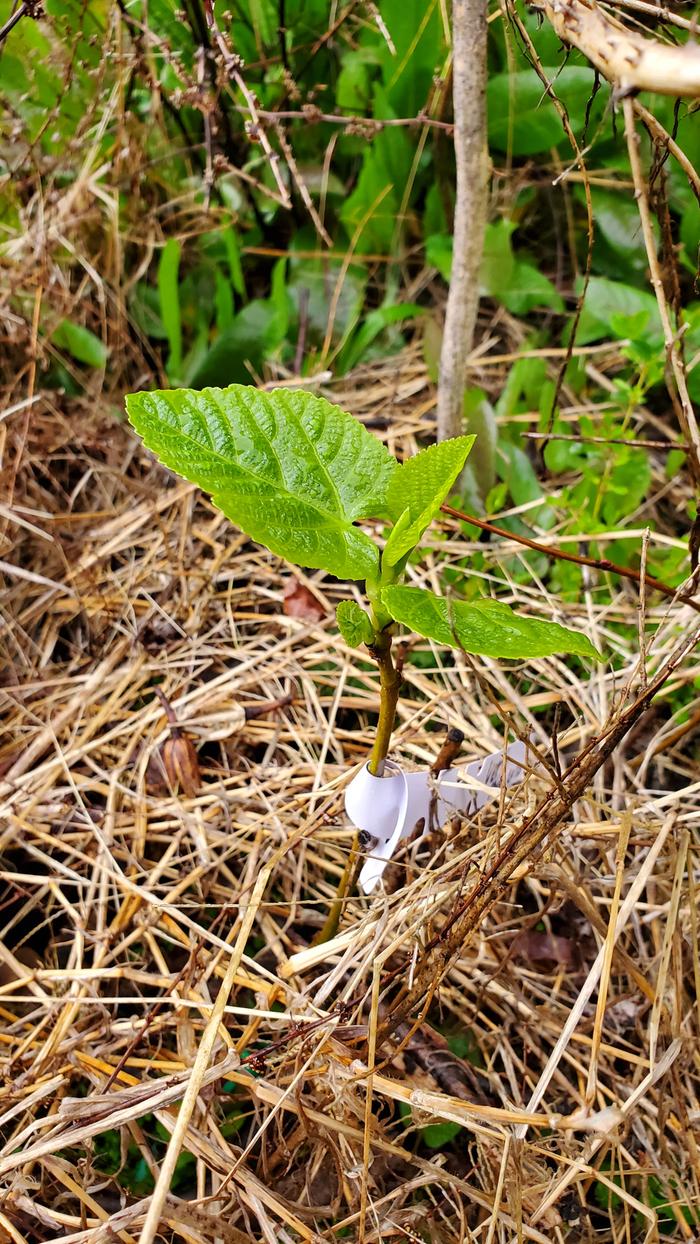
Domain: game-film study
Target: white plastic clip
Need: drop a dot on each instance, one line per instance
(388, 808)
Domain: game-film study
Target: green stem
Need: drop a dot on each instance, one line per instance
(390, 686)
(347, 881)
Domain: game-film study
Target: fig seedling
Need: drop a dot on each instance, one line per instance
(298, 475)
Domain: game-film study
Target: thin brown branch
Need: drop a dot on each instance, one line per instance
(597, 563)
(674, 352)
(661, 135)
(311, 115)
(255, 129)
(30, 8)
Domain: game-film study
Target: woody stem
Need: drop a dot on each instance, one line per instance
(390, 686)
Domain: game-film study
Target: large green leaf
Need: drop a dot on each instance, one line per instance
(418, 488)
(489, 628)
(289, 468)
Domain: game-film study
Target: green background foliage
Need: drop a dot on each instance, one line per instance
(219, 282)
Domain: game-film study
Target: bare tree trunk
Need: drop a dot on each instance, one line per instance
(471, 206)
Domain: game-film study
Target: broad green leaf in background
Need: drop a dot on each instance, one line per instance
(168, 289)
(432, 345)
(322, 285)
(262, 19)
(520, 111)
(144, 309)
(352, 88)
(418, 488)
(516, 470)
(488, 628)
(290, 469)
(529, 288)
(353, 624)
(605, 301)
(239, 351)
(375, 202)
(82, 344)
(223, 302)
(691, 317)
(437, 1135)
(438, 254)
(619, 244)
(480, 420)
(413, 56)
(515, 282)
(372, 325)
(497, 261)
(626, 486)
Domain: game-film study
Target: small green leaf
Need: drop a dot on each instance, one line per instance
(293, 471)
(169, 293)
(83, 345)
(420, 486)
(437, 1135)
(394, 548)
(233, 256)
(353, 624)
(429, 474)
(489, 628)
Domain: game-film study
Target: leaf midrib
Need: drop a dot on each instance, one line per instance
(339, 521)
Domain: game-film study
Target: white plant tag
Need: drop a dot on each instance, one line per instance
(389, 808)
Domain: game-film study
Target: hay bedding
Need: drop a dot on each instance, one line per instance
(132, 911)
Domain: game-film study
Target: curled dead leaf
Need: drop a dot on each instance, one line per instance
(300, 602)
(545, 948)
(181, 764)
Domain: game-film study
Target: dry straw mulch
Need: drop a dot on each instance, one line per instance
(158, 976)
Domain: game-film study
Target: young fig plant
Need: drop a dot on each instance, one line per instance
(298, 475)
